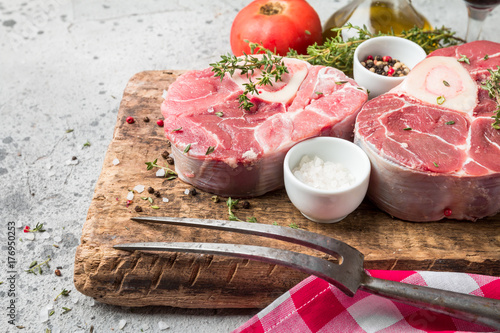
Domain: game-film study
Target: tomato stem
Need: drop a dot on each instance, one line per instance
(271, 8)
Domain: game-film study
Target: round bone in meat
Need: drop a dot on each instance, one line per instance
(225, 150)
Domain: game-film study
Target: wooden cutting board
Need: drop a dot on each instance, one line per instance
(206, 281)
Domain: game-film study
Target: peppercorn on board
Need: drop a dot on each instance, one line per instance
(206, 281)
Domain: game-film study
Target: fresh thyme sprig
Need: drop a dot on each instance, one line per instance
(169, 173)
(271, 67)
(64, 292)
(492, 85)
(231, 204)
(339, 53)
(38, 266)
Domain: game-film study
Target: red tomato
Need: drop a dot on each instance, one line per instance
(277, 25)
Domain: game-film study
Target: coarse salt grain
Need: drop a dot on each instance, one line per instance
(323, 175)
(160, 173)
(165, 199)
(186, 191)
(116, 161)
(130, 195)
(139, 188)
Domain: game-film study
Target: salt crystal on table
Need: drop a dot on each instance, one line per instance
(72, 162)
(139, 188)
(116, 161)
(57, 239)
(122, 324)
(165, 199)
(130, 195)
(163, 326)
(186, 191)
(29, 236)
(160, 173)
(44, 235)
(48, 166)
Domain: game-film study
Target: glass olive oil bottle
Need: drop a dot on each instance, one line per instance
(378, 16)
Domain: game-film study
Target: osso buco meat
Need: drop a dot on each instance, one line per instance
(431, 142)
(223, 149)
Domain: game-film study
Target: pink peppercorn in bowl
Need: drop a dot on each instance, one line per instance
(406, 51)
(326, 178)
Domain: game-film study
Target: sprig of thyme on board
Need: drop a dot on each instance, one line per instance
(169, 173)
(271, 67)
(339, 53)
(492, 85)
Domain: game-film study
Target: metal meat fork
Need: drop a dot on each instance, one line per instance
(348, 274)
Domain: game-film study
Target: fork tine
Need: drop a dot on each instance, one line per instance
(305, 238)
(350, 273)
(308, 264)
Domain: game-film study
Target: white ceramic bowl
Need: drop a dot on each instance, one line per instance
(327, 206)
(402, 49)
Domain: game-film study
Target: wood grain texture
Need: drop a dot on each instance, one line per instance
(206, 281)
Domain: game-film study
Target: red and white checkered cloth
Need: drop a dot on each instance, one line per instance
(316, 306)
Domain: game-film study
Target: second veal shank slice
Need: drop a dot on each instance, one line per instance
(433, 149)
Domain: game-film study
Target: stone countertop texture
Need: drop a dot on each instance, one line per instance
(63, 67)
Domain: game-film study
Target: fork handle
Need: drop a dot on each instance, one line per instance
(472, 308)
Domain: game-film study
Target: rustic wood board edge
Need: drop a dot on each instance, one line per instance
(200, 281)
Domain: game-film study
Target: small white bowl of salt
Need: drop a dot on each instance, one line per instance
(326, 178)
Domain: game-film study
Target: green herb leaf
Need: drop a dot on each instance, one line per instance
(486, 57)
(340, 82)
(155, 207)
(64, 292)
(187, 148)
(66, 310)
(270, 66)
(440, 100)
(307, 32)
(338, 53)
(451, 122)
(446, 83)
(318, 93)
(492, 85)
(219, 114)
(252, 219)
(463, 58)
(210, 150)
(435, 164)
(86, 144)
(293, 226)
(407, 129)
(177, 129)
(69, 130)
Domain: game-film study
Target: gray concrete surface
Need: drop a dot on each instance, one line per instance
(64, 65)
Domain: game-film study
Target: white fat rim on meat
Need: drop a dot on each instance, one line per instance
(287, 92)
(441, 81)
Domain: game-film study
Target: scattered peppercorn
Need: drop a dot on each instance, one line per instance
(151, 190)
(165, 154)
(130, 120)
(170, 160)
(74, 158)
(168, 143)
(57, 272)
(138, 209)
(193, 192)
(157, 194)
(159, 122)
(245, 204)
(146, 119)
